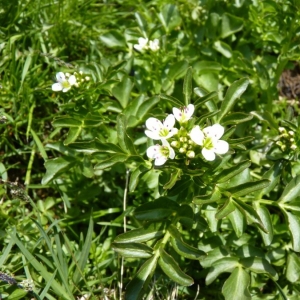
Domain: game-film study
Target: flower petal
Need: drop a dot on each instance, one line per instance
(208, 154)
(60, 76)
(153, 151)
(154, 124)
(215, 131)
(197, 135)
(160, 160)
(154, 135)
(66, 89)
(169, 121)
(177, 113)
(189, 110)
(221, 147)
(72, 80)
(57, 87)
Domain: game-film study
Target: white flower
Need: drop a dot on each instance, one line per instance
(63, 83)
(157, 130)
(184, 114)
(154, 45)
(161, 153)
(142, 45)
(209, 139)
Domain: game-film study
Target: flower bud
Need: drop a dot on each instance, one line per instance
(175, 144)
(291, 133)
(183, 139)
(293, 147)
(190, 154)
(182, 150)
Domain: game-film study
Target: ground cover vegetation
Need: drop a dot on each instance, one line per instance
(149, 149)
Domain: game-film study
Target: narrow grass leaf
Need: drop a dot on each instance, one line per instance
(39, 145)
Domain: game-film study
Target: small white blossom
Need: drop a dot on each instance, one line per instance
(210, 141)
(161, 153)
(63, 83)
(142, 44)
(157, 130)
(184, 114)
(154, 45)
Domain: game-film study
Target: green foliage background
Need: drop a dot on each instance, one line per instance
(71, 161)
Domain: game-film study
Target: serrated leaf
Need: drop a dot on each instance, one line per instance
(187, 86)
(137, 250)
(136, 287)
(226, 264)
(181, 247)
(236, 286)
(172, 269)
(228, 173)
(233, 93)
(157, 209)
(144, 234)
(291, 191)
(248, 187)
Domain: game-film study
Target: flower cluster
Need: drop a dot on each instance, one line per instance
(286, 140)
(65, 81)
(145, 44)
(183, 140)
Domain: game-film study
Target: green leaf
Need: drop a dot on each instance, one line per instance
(250, 213)
(226, 209)
(187, 86)
(84, 253)
(113, 38)
(124, 140)
(228, 173)
(181, 247)
(172, 100)
(17, 294)
(172, 269)
(248, 187)
(265, 217)
(72, 135)
(243, 140)
(259, 265)
(293, 267)
(67, 122)
(223, 48)
(178, 70)
(213, 256)
(230, 25)
(135, 175)
(137, 286)
(226, 264)
(39, 145)
(294, 226)
(143, 234)
(236, 286)
(55, 167)
(233, 93)
(136, 250)
(273, 174)
(157, 209)
(142, 23)
(291, 191)
(122, 91)
(238, 222)
(236, 118)
(169, 17)
(175, 175)
(114, 159)
(203, 99)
